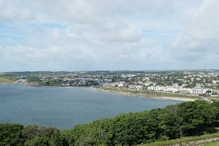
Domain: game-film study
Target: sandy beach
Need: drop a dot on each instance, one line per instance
(146, 96)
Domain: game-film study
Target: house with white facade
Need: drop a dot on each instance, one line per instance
(120, 85)
(140, 83)
(215, 81)
(152, 87)
(156, 88)
(147, 83)
(130, 86)
(200, 90)
(160, 88)
(185, 90)
(139, 87)
(171, 89)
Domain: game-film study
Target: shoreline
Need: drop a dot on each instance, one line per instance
(146, 96)
(46, 86)
(116, 92)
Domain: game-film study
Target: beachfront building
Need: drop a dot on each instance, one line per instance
(171, 89)
(152, 88)
(139, 87)
(156, 88)
(201, 90)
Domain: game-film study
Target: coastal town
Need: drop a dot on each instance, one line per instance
(203, 84)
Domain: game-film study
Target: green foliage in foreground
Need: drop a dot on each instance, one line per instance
(176, 121)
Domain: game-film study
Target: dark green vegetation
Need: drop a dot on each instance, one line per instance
(18, 135)
(176, 121)
(35, 80)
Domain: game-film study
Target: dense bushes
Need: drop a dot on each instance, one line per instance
(11, 135)
(185, 119)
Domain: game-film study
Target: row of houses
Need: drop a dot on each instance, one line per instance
(181, 89)
(123, 84)
(172, 89)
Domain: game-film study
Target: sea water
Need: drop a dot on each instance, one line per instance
(66, 107)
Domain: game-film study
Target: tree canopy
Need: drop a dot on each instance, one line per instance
(175, 121)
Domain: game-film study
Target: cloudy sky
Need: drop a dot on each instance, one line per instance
(73, 35)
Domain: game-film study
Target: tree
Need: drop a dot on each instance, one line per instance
(11, 134)
(30, 131)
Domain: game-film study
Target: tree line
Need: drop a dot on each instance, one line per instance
(175, 121)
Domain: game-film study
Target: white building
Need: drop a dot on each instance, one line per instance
(215, 81)
(159, 88)
(140, 82)
(152, 88)
(121, 84)
(147, 83)
(139, 87)
(131, 86)
(156, 88)
(171, 89)
(185, 90)
(200, 90)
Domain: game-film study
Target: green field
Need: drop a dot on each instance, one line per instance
(8, 79)
(186, 139)
(211, 144)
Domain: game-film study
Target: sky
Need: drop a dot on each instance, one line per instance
(85, 35)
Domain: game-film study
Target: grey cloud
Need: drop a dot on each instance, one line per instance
(108, 34)
(200, 38)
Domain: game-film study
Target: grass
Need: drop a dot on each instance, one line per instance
(185, 139)
(146, 92)
(8, 79)
(34, 84)
(211, 144)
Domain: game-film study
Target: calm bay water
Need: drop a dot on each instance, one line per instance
(66, 107)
